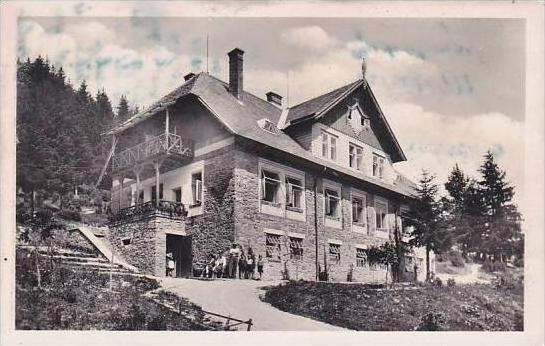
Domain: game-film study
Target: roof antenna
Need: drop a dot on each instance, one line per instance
(207, 53)
(288, 89)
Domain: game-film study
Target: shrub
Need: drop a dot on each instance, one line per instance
(438, 282)
(69, 215)
(432, 321)
(456, 259)
(493, 266)
(451, 282)
(323, 276)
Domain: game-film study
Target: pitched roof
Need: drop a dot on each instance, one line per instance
(235, 115)
(316, 105)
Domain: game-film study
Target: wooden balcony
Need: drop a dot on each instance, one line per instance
(163, 146)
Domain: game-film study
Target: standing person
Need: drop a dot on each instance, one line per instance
(233, 259)
(217, 267)
(250, 266)
(224, 264)
(260, 266)
(170, 264)
(241, 265)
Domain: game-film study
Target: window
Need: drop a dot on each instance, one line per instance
(296, 248)
(126, 241)
(355, 154)
(177, 194)
(270, 185)
(381, 214)
(334, 253)
(294, 193)
(378, 166)
(154, 193)
(273, 246)
(196, 188)
(332, 203)
(329, 146)
(361, 257)
(358, 214)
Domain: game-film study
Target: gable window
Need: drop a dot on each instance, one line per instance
(378, 166)
(334, 253)
(355, 154)
(358, 211)
(273, 245)
(381, 210)
(196, 188)
(296, 248)
(294, 194)
(270, 186)
(332, 202)
(329, 146)
(361, 257)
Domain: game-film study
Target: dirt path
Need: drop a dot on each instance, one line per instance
(240, 299)
(474, 275)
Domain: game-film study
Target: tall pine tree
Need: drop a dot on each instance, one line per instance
(427, 218)
(501, 234)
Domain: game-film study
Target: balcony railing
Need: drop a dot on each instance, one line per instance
(165, 208)
(164, 144)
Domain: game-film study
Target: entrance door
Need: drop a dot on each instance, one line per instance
(180, 248)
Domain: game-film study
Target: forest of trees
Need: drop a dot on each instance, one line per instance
(59, 143)
(477, 216)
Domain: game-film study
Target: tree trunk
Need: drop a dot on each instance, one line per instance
(387, 275)
(427, 263)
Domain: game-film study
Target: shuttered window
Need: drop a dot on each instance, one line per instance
(361, 258)
(334, 253)
(273, 243)
(296, 248)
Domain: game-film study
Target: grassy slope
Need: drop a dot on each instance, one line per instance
(469, 307)
(82, 300)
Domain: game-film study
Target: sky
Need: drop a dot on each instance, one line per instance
(451, 89)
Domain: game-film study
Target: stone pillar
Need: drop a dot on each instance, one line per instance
(121, 192)
(137, 174)
(156, 164)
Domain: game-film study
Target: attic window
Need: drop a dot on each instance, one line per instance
(357, 118)
(267, 125)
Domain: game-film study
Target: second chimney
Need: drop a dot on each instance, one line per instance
(235, 72)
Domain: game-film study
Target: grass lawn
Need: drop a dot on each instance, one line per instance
(81, 300)
(457, 308)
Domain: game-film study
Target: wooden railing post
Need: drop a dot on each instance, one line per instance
(156, 164)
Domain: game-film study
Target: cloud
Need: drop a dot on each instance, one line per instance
(436, 142)
(89, 51)
(313, 38)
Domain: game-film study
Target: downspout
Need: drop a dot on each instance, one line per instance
(316, 225)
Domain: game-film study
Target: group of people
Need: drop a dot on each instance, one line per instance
(234, 262)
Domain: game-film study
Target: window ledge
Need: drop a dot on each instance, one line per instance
(294, 209)
(272, 204)
(196, 205)
(334, 218)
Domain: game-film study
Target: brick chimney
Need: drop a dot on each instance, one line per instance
(235, 72)
(274, 98)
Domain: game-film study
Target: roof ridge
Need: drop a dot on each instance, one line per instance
(326, 94)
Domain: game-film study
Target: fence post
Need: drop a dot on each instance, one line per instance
(249, 324)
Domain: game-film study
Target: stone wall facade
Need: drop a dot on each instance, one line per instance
(232, 213)
(142, 242)
(251, 227)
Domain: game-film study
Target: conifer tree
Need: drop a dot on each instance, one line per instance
(427, 218)
(123, 111)
(501, 234)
